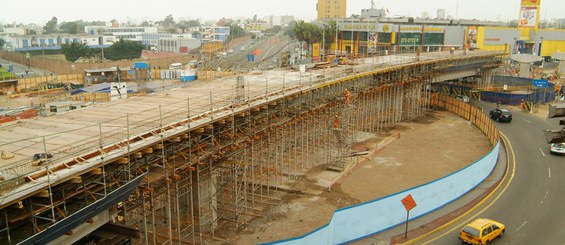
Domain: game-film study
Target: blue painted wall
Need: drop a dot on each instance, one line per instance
(372, 217)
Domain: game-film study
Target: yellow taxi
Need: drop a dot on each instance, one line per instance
(481, 231)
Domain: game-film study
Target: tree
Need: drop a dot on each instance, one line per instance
(124, 49)
(73, 51)
(51, 26)
(168, 21)
(307, 32)
(74, 27)
(2, 42)
(330, 30)
(184, 25)
(236, 32)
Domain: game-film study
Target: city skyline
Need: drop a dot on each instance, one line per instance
(124, 11)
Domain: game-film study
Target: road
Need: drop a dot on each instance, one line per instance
(20, 69)
(530, 199)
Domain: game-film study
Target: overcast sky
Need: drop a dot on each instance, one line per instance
(40, 11)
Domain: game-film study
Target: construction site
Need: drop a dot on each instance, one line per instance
(178, 166)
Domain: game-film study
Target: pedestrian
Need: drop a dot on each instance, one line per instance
(27, 72)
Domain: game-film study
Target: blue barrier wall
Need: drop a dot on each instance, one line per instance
(369, 218)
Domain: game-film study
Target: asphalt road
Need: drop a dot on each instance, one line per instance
(531, 198)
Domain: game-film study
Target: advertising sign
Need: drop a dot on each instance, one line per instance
(530, 2)
(316, 51)
(410, 39)
(471, 38)
(372, 42)
(528, 17)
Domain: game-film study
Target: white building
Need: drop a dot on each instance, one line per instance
(178, 44)
(54, 41)
(126, 33)
(441, 14)
(215, 33)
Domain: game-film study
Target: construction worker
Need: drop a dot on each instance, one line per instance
(347, 97)
(336, 122)
(522, 104)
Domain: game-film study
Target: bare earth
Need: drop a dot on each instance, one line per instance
(415, 153)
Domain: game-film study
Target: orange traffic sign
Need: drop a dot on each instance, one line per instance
(408, 202)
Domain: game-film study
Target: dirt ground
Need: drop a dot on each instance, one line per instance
(415, 153)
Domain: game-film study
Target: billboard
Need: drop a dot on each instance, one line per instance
(528, 16)
(372, 42)
(530, 2)
(471, 37)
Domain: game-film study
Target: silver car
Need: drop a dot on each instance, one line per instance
(557, 148)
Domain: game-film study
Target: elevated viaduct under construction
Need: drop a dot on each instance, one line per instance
(174, 167)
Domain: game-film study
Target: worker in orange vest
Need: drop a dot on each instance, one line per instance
(522, 104)
(347, 96)
(336, 122)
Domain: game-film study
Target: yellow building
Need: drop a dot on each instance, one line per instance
(331, 9)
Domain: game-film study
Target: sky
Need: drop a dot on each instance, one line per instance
(41, 11)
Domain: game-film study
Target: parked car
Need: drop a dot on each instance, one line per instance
(557, 148)
(501, 115)
(481, 231)
(463, 98)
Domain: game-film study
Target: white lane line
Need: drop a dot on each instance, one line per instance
(523, 224)
(545, 197)
(549, 172)
(542, 152)
(527, 121)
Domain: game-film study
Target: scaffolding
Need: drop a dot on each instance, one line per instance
(220, 171)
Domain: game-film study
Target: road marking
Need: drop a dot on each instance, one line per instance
(491, 194)
(542, 152)
(527, 121)
(523, 224)
(545, 197)
(549, 172)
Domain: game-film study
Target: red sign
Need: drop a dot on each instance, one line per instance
(408, 202)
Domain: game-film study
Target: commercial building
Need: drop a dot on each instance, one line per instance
(122, 32)
(331, 9)
(214, 33)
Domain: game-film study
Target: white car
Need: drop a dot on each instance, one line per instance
(557, 148)
(463, 98)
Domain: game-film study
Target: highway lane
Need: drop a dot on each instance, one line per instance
(531, 205)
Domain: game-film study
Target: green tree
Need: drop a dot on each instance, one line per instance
(73, 51)
(124, 49)
(2, 42)
(236, 32)
(51, 26)
(168, 21)
(184, 25)
(330, 30)
(73, 27)
(307, 32)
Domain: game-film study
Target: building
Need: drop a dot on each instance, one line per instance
(178, 44)
(54, 41)
(368, 35)
(440, 14)
(331, 9)
(214, 33)
(126, 33)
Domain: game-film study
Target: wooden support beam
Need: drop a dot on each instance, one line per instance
(96, 171)
(123, 160)
(147, 150)
(43, 193)
(76, 180)
(158, 147)
(137, 155)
